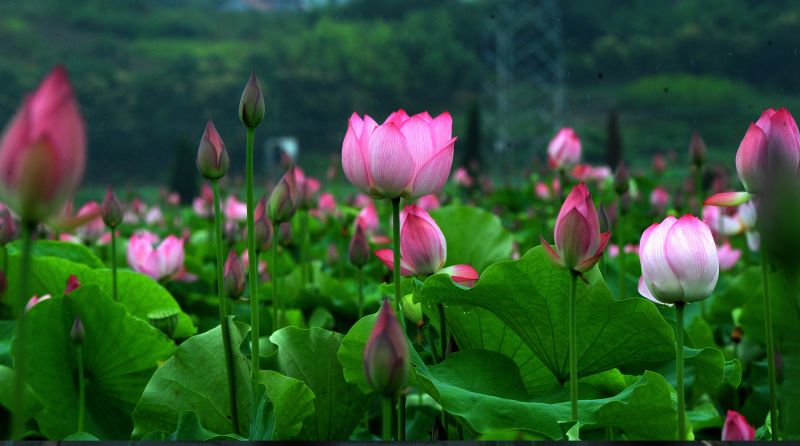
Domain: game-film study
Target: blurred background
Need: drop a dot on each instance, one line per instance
(637, 76)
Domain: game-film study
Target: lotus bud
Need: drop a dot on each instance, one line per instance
(111, 210)
(386, 356)
(359, 251)
(165, 319)
(697, 150)
(263, 227)
(564, 150)
(736, 428)
(284, 199)
(72, 284)
(251, 106)
(621, 179)
(212, 157)
(234, 276)
(770, 148)
(77, 333)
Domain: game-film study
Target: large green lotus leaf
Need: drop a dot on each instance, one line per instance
(120, 354)
(705, 370)
(189, 428)
(140, 294)
(32, 403)
(480, 328)
(474, 236)
(785, 303)
(63, 250)
(195, 379)
(310, 356)
(283, 405)
(485, 389)
(531, 296)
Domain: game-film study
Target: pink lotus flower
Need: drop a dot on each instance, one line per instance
(423, 249)
(212, 158)
(659, 198)
(587, 172)
(43, 150)
(748, 217)
(163, 261)
(720, 222)
(771, 145)
(94, 228)
(234, 276)
(736, 428)
(728, 256)
(203, 205)
(564, 150)
(361, 201)
(35, 300)
(154, 216)
(577, 233)
(327, 203)
(679, 261)
(404, 157)
(386, 355)
(235, 210)
(367, 218)
(542, 191)
(428, 202)
(462, 177)
(613, 250)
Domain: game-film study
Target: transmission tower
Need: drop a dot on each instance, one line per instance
(524, 88)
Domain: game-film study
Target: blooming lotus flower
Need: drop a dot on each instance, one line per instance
(94, 228)
(234, 276)
(423, 249)
(728, 256)
(462, 177)
(35, 300)
(43, 150)
(235, 210)
(659, 198)
(564, 150)
(770, 146)
(162, 261)
(386, 355)
(404, 157)
(577, 233)
(203, 205)
(326, 203)
(736, 428)
(428, 202)
(721, 223)
(679, 261)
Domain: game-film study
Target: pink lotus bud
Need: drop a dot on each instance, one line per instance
(659, 198)
(263, 227)
(577, 233)
(327, 205)
(43, 150)
(728, 199)
(679, 261)
(359, 251)
(72, 284)
(8, 228)
(771, 146)
(35, 300)
(728, 256)
(77, 334)
(212, 157)
(737, 428)
(564, 150)
(165, 260)
(428, 202)
(697, 150)
(251, 106)
(542, 191)
(111, 209)
(386, 356)
(462, 177)
(285, 198)
(405, 156)
(234, 281)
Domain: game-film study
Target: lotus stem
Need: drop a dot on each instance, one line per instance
(18, 417)
(387, 418)
(276, 301)
(573, 345)
(251, 255)
(679, 369)
(773, 395)
(360, 279)
(81, 389)
(114, 264)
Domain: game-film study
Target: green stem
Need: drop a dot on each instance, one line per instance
(18, 417)
(396, 245)
(679, 369)
(304, 267)
(428, 337)
(223, 313)
(401, 414)
(573, 345)
(360, 278)
(442, 331)
(114, 263)
(81, 388)
(387, 418)
(621, 255)
(276, 303)
(251, 254)
(773, 397)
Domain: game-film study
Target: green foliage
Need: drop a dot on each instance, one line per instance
(474, 236)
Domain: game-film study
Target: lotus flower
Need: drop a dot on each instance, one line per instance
(542, 191)
(262, 226)
(462, 177)
(428, 202)
(659, 198)
(72, 284)
(404, 157)
(203, 205)
(564, 150)
(770, 146)
(367, 218)
(235, 210)
(163, 261)
(728, 256)
(386, 356)
(307, 188)
(423, 249)
(577, 233)
(736, 428)
(43, 150)
(212, 157)
(721, 223)
(679, 261)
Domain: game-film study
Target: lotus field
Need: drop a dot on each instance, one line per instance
(416, 300)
